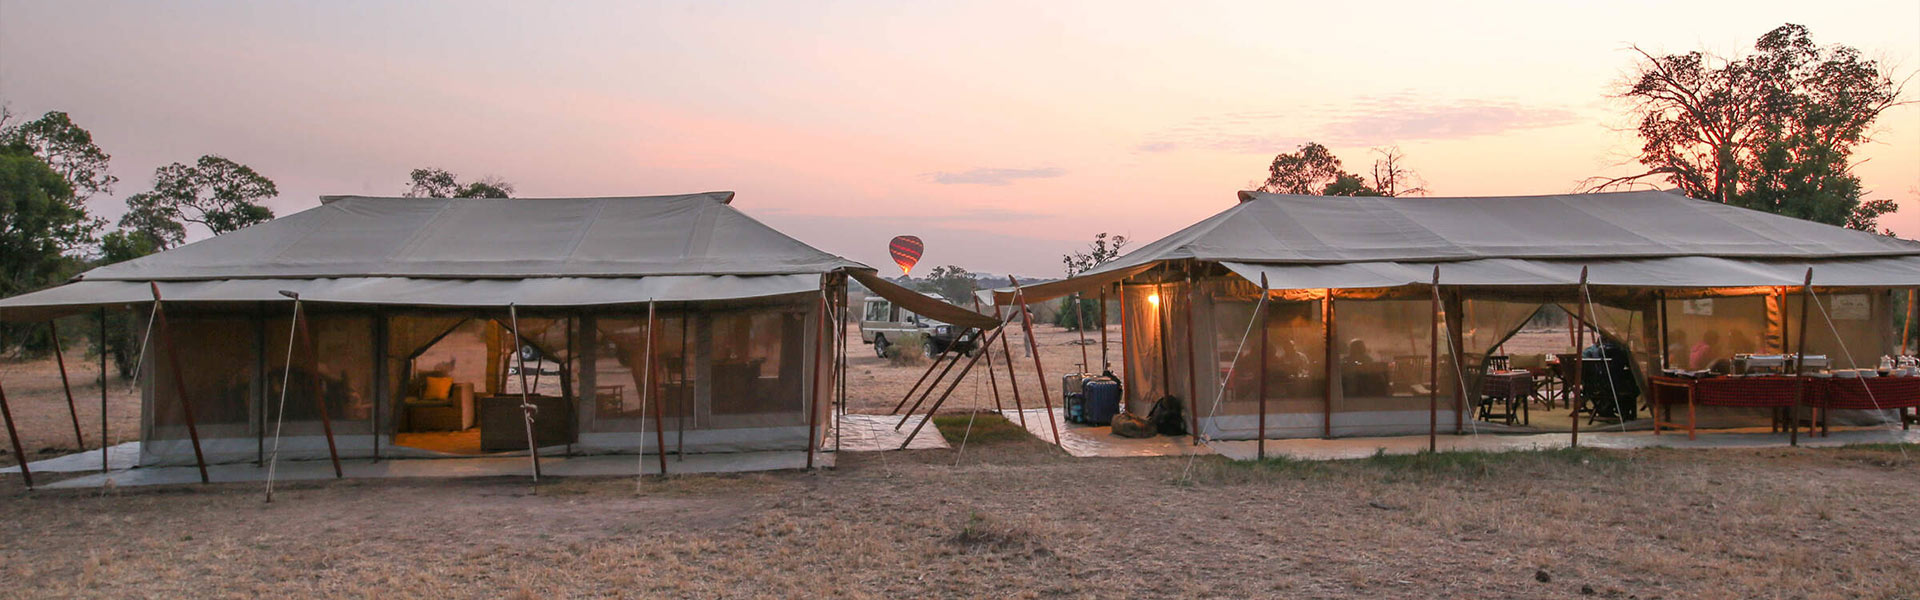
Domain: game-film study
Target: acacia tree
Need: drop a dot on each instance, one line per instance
(1313, 170)
(217, 193)
(1102, 249)
(1773, 130)
(953, 282)
(439, 183)
(66, 148)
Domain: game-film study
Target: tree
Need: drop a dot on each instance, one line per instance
(39, 225)
(1103, 248)
(1315, 171)
(217, 193)
(953, 282)
(1773, 130)
(67, 149)
(121, 345)
(439, 183)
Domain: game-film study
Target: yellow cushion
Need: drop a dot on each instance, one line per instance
(436, 389)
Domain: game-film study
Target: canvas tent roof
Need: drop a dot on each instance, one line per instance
(470, 252)
(1646, 238)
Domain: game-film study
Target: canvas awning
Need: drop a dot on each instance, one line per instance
(922, 304)
(1677, 272)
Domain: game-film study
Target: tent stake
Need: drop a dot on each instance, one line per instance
(179, 381)
(26, 474)
(950, 387)
(992, 380)
(1033, 345)
(1433, 369)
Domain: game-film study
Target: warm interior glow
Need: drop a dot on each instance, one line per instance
(1153, 300)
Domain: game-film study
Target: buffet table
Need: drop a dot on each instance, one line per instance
(1782, 393)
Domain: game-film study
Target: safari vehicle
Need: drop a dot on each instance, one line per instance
(881, 323)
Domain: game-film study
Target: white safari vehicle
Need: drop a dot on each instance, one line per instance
(882, 323)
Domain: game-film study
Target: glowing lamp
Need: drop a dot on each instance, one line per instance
(1153, 300)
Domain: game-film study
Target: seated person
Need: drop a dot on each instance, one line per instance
(1608, 386)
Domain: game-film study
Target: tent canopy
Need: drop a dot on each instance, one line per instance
(1646, 238)
(472, 252)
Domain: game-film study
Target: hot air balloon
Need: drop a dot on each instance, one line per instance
(906, 251)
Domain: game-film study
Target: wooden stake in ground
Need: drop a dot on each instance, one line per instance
(179, 381)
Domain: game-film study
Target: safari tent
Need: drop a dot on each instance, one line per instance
(440, 327)
(1381, 314)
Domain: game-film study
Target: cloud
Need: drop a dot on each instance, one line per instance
(1367, 121)
(994, 176)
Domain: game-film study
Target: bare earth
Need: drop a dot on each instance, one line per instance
(874, 386)
(1013, 518)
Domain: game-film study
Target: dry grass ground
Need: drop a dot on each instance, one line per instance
(874, 386)
(1008, 517)
(40, 407)
(1016, 519)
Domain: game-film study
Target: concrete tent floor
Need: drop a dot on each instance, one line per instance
(491, 466)
(1088, 441)
(1362, 447)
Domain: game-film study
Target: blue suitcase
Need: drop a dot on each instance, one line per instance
(1102, 401)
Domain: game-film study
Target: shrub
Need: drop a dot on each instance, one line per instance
(907, 349)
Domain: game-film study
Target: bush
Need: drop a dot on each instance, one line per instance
(1070, 318)
(907, 349)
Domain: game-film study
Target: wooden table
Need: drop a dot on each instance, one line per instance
(1511, 388)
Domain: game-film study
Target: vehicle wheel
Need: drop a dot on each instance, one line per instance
(529, 353)
(931, 348)
(880, 346)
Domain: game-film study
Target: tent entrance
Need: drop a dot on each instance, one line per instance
(461, 392)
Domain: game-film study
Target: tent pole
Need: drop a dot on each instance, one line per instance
(950, 387)
(1080, 324)
(1033, 345)
(992, 380)
(923, 378)
(1580, 358)
(1165, 323)
(659, 414)
(26, 474)
(1006, 352)
(566, 386)
(1261, 448)
(1126, 359)
(1103, 331)
(103, 390)
(1333, 356)
(527, 408)
(928, 391)
(1799, 364)
(813, 391)
(1665, 362)
(684, 399)
(179, 381)
(1909, 325)
(313, 374)
(60, 358)
(1193, 365)
(840, 361)
(1433, 369)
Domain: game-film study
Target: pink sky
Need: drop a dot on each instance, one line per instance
(1001, 133)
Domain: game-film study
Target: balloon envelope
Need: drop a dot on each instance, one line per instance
(906, 251)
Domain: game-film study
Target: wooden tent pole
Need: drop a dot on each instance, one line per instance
(928, 391)
(1906, 328)
(1332, 352)
(1800, 364)
(992, 379)
(923, 378)
(1259, 320)
(527, 409)
(1665, 361)
(1433, 369)
(1006, 352)
(104, 466)
(26, 474)
(1580, 359)
(1033, 345)
(1193, 361)
(659, 413)
(950, 387)
(1080, 324)
(1103, 331)
(313, 376)
(60, 358)
(179, 381)
(813, 391)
